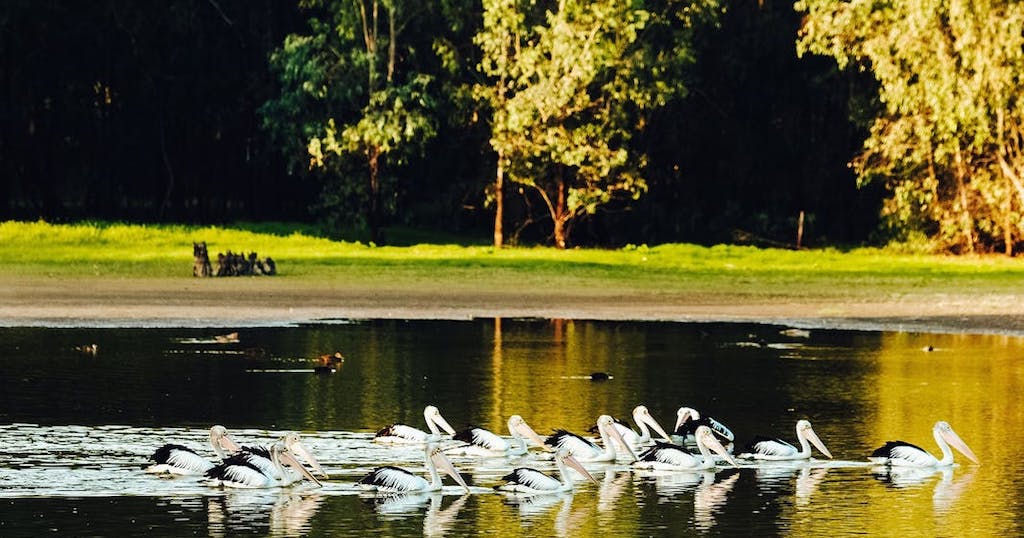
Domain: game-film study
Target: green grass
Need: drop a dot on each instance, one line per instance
(165, 251)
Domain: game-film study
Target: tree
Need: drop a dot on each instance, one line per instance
(569, 85)
(354, 93)
(949, 138)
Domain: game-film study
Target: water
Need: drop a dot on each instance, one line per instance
(76, 428)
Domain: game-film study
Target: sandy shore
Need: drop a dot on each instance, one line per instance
(97, 302)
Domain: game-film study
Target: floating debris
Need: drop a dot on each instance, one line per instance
(88, 349)
(796, 333)
(230, 338)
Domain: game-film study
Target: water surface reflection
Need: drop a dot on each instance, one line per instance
(77, 426)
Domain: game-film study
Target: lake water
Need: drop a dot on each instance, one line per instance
(76, 428)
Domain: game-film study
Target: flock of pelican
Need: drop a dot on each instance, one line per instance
(697, 443)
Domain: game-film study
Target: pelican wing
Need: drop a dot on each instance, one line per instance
(904, 453)
(668, 453)
(236, 471)
(526, 479)
(689, 427)
(401, 431)
(392, 479)
(178, 459)
(261, 451)
(767, 446)
(477, 436)
(576, 444)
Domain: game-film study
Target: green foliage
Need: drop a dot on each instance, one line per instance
(948, 143)
(353, 91)
(570, 84)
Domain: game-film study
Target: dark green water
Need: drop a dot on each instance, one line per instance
(76, 428)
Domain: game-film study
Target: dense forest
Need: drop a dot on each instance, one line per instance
(700, 122)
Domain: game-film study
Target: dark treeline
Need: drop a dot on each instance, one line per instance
(149, 111)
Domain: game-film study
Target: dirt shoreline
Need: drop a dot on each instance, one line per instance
(72, 302)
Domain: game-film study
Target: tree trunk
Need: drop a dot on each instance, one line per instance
(373, 204)
(967, 221)
(560, 216)
(499, 203)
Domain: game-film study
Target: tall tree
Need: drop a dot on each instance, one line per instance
(354, 92)
(948, 142)
(570, 83)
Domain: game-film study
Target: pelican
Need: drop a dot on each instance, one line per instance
(396, 480)
(238, 472)
(764, 448)
(642, 417)
(483, 443)
(670, 457)
(584, 450)
(688, 419)
(532, 481)
(260, 456)
(398, 434)
(903, 454)
(183, 461)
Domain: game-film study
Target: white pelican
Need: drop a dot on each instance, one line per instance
(183, 461)
(642, 417)
(900, 453)
(532, 481)
(397, 480)
(764, 448)
(238, 472)
(259, 456)
(670, 457)
(688, 419)
(584, 450)
(398, 434)
(483, 443)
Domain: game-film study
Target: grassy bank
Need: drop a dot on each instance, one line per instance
(134, 251)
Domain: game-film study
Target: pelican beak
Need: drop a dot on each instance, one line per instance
(288, 459)
(956, 442)
(714, 444)
(444, 464)
(229, 444)
(526, 431)
(614, 433)
(813, 438)
(649, 420)
(301, 450)
(440, 421)
(575, 464)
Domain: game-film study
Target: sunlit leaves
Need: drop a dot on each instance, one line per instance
(949, 144)
(570, 84)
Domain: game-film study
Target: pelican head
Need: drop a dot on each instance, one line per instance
(282, 456)
(518, 427)
(565, 456)
(641, 414)
(606, 424)
(441, 462)
(707, 438)
(684, 414)
(222, 444)
(945, 431)
(294, 444)
(433, 417)
(804, 431)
